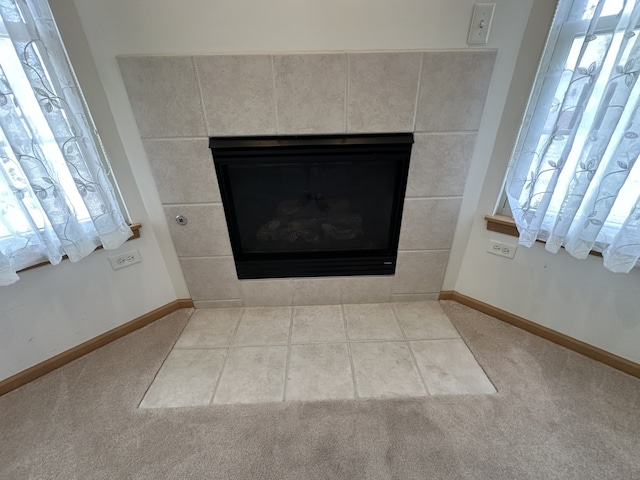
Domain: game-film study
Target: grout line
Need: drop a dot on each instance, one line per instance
(431, 339)
(446, 132)
(206, 137)
(165, 358)
(257, 345)
(231, 256)
(213, 256)
(415, 107)
(219, 347)
(238, 346)
(228, 300)
(226, 357)
(274, 96)
(192, 204)
(413, 357)
(416, 251)
(287, 364)
(307, 344)
(204, 114)
(292, 287)
(170, 137)
(443, 197)
(346, 93)
(387, 340)
(353, 370)
(422, 377)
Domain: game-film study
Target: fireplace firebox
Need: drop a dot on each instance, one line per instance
(310, 206)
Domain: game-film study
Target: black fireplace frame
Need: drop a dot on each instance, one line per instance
(395, 147)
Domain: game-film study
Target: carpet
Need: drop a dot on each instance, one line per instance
(557, 415)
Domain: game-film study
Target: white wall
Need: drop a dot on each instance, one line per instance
(52, 309)
(117, 27)
(200, 27)
(230, 26)
(203, 26)
(576, 297)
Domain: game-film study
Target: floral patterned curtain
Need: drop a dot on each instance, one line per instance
(574, 179)
(56, 197)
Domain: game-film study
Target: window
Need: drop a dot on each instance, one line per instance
(573, 180)
(56, 194)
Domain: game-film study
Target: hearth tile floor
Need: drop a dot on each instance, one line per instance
(275, 354)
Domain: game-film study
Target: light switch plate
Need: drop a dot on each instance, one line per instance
(481, 23)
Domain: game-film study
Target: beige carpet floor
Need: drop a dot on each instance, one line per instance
(557, 415)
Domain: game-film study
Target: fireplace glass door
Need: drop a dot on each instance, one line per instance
(313, 205)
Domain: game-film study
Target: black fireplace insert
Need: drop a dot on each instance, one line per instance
(309, 206)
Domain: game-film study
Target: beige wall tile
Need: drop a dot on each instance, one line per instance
(204, 235)
(439, 164)
(310, 93)
(239, 98)
(317, 291)
(368, 289)
(420, 272)
(218, 304)
(382, 91)
(237, 92)
(211, 278)
(164, 95)
(454, 87)
(183, 170)
(414, 297)
(429, 223)
(268, 292)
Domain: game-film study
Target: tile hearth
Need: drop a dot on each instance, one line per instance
(323, 352)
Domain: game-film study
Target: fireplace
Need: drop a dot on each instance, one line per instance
(310, 206)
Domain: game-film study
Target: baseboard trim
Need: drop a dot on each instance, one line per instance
(571, 343)
(42, 368)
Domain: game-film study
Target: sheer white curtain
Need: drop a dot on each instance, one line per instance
(56, 197)
(574, 179)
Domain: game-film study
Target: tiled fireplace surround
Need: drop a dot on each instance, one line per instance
(179, 101)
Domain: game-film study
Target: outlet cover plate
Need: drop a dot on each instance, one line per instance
(125, 259)
(502, 249)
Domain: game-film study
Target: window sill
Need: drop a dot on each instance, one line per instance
(135, 228)
(507, 226)
(502, 224)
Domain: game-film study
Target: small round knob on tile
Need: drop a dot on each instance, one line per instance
(181, 220)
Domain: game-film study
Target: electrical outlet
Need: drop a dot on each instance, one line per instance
(125, 259)
(502, 249)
